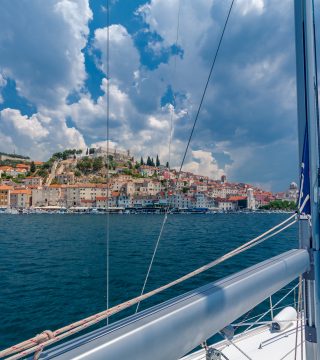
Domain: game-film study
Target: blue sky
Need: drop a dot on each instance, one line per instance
(53, 82)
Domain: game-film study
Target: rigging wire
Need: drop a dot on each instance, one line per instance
(206, 86)
(108, 160)
(169, 160)
(190, 136)
(276, 304)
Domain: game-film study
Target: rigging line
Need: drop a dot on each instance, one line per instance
(256, 316)
(30, 346)
(169, 160)
(173, 82)
(108, 159)
(236, 346)
(193, 127)
(276, 304)
(206, 86)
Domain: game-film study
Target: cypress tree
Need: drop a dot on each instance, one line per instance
(32, 167)
(157, 161)
(141, 161)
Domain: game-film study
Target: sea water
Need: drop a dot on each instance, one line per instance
(53, 268)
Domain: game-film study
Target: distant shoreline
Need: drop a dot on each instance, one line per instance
(142, 212)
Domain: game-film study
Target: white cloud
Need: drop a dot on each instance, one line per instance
(250, 100)
(37, 135)
(124, 57)
(247, 6)
(203, 163)
(3, 83)
(40, 47)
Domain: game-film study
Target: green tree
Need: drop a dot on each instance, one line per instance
(43, 172)
(57, 155)
(97, 164)
(280, 205)
(157, 161)
(141, 161)
(167, 164)
(152, 162)
(32, 167)
(85, 165)
(149, 161)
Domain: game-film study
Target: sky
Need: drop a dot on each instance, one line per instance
(53, 82)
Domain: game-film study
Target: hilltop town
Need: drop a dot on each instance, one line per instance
(91, 179)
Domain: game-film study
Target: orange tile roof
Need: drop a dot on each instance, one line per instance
(5, 187)
(22, 191)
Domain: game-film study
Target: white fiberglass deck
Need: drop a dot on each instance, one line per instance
(259, 344)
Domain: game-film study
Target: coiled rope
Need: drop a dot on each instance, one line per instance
(42, 340)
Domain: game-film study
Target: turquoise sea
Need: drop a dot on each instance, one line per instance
(53, 267)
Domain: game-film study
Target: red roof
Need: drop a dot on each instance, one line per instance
(237, 198)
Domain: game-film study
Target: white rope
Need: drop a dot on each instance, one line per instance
(304, 203)
(271, 307)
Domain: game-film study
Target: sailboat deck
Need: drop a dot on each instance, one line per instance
(259, 344)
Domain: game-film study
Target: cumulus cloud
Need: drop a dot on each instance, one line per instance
(204, 163)
(250, 104)
(249, 109)
(124, 57)
(41, 45)
(3, 83)
(37, 135)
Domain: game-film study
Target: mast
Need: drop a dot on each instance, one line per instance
(308, 129)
